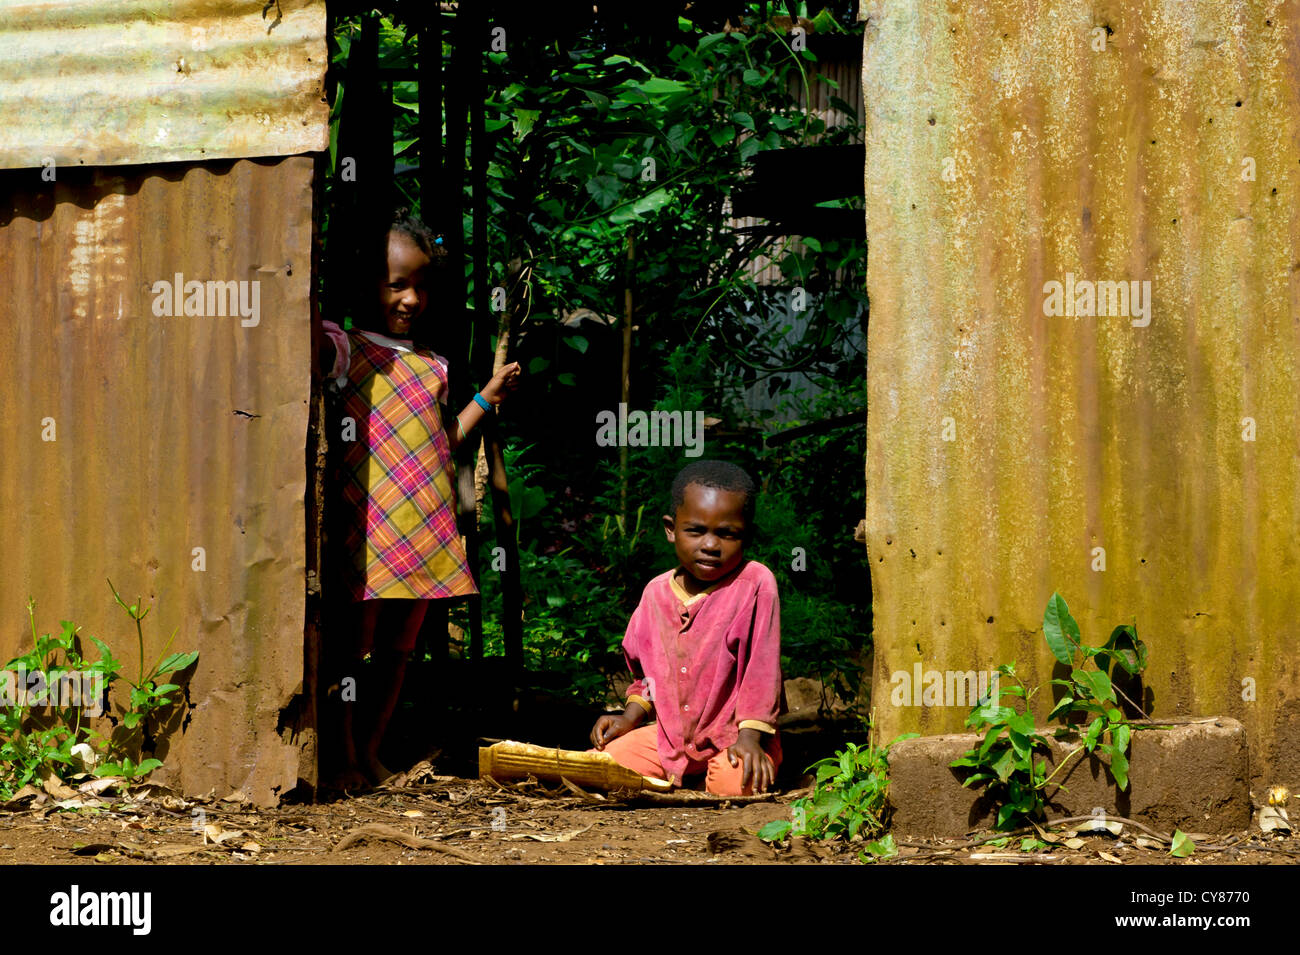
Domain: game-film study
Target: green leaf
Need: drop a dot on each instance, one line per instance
(1097, 683)
(1004, 765)
(721, 135)
(651, 202)
(775, 831)
(658, 86)
(1126, 649)
(752, 77)
(1022, 723)
(1182, 846)
(677, 137)
(1061, 708)
(524, 120)
(883, 848)
(747, 149)
(1119, 767)
(177, 661)
(605, 190)
(1060, 629)
(577, 342)
(743, 119)
(1020, 743)
(1120, 736)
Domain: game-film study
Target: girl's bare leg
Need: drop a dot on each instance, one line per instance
(365, 615)
(401, 626)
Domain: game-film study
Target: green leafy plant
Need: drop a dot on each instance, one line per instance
(37, 734)
(1007, 759)
(849, 800)
(44, 730)
(148, 695)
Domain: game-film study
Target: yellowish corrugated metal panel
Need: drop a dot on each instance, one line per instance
(1009, 147)
(106, 82)
(129, 439)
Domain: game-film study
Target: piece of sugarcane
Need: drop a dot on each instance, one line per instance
(510, 760)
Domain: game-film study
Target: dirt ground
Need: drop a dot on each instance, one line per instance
(440, 820)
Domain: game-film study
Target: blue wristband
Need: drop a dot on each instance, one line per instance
(482, 402)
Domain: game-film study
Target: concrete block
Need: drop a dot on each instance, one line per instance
(1193, 776)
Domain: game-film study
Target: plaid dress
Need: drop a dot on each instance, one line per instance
(398, 497)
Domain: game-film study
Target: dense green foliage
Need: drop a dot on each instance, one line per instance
(599, 143)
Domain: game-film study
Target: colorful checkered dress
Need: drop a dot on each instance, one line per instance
(398, 481)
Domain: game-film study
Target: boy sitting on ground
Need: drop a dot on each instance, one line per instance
(704, 647)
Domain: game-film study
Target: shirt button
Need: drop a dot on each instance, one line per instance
(683, 669)
(686, 707)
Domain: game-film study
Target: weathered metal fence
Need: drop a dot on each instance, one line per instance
(153, 430)
(1035, 425)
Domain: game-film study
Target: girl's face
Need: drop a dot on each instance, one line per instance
(402, 295)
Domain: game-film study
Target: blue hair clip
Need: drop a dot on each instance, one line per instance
(438, 241)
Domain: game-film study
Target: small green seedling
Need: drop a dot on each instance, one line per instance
(849, 800)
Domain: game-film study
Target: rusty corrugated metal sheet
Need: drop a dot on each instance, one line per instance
(106, 82)
(1009, 147)
(129, 439)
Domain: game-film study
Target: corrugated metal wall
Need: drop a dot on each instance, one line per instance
(103, 82)
(130, 439)
(1013, 143)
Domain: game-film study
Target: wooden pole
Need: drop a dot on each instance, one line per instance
(512, 593)
(466, 54)
(627, 370)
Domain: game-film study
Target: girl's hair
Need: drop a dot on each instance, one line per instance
(723, 475)
(425, 239)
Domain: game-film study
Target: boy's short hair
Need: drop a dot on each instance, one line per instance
(722, 475)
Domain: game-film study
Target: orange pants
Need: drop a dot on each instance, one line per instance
(639, 752)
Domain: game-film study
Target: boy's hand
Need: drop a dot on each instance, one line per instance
(503, 383)
(611, 727)
(759, 772)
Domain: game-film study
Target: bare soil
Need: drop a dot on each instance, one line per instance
(442, 820)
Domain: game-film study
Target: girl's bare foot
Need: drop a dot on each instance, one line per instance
(351, 779)
(377, 771)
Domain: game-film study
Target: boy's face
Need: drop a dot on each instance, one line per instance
(402, 295)
(708, 532)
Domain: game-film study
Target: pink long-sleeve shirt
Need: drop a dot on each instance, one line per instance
(708, 665)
